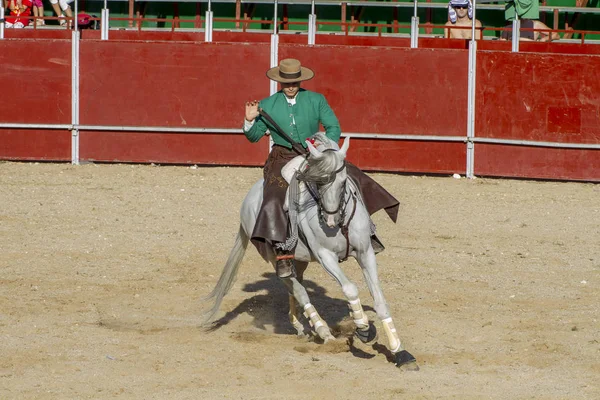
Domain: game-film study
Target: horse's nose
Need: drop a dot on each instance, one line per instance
(330, 221)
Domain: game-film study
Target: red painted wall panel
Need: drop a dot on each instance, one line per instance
(36, 83)
(170, 84)
(37, 76)
(543, 97)
(170, 36)
(175, 148)
(408, 156)
(38, 34)
(540, 47)
(537, 162)
(34, 144)
(241, 37)
(390, 90)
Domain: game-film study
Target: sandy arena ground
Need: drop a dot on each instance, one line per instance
(494, 286)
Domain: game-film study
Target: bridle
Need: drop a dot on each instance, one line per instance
(342, 204)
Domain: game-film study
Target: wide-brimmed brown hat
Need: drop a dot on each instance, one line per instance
(290, 70)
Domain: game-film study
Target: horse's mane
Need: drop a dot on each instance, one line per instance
(321, 170)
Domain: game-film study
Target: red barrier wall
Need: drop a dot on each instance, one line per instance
(179, 82)
(394, 91)
(540, 47)
(173, 148)
(408, 156)
(36, 75)
(539, 97)
(170, 84)
(37, 34)
(552, 97)
(35, 144)
(36, 80)
(174, 36)
(537, 162)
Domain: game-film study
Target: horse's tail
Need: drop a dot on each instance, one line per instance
(227, 277)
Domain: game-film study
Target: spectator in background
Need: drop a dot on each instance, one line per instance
(38, 11)
(61, 7)
(19, 11)
(531, 35)
(528, 11)
(460, 13)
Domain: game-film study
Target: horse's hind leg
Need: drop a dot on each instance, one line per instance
(368, 264)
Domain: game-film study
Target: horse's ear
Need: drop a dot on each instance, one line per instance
(345, 146)
(316, 154)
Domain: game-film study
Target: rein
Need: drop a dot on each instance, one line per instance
(341, 208)
(344, 228)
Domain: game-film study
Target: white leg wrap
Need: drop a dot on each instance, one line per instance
(313, 316)
(358, 315)
(393, 338)
(317, 322)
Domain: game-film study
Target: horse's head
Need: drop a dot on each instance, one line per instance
(327, 170)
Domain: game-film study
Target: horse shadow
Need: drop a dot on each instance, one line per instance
(271, 308)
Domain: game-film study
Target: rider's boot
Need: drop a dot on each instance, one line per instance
(285, 263)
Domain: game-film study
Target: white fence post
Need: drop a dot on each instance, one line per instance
(208, 24)
(312, 25)
(75, 97)
(104, 27)
(516, 33)
(2, 19)
(470, 172)
(414, 29)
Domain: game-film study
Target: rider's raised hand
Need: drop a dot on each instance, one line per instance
(251, 110)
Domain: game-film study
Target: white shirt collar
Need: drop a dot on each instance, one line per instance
(291, 101)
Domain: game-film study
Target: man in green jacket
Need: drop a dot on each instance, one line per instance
(298, 112)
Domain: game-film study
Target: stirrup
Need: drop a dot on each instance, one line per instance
(285, 264)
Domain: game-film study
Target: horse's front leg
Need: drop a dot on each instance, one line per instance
(298, 292)
(294, 314)
(368, 264)
(364, 330)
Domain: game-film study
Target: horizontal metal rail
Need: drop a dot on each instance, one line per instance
(358, 135)
(424, 138)
(35, 126)
(154, 129)
(534, 143)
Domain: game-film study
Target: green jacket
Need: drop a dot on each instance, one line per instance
(310, 109)
(525, 9)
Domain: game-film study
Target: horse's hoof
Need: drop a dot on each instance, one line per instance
(328, 339)
(405, 361)
(325, 334)
(367, 336)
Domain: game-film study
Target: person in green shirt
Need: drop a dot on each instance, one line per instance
(299, 112)
(525, 9)
(528, 11)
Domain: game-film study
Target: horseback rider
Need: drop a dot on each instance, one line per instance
(297, 111)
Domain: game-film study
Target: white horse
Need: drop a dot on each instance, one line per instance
(332, 224)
